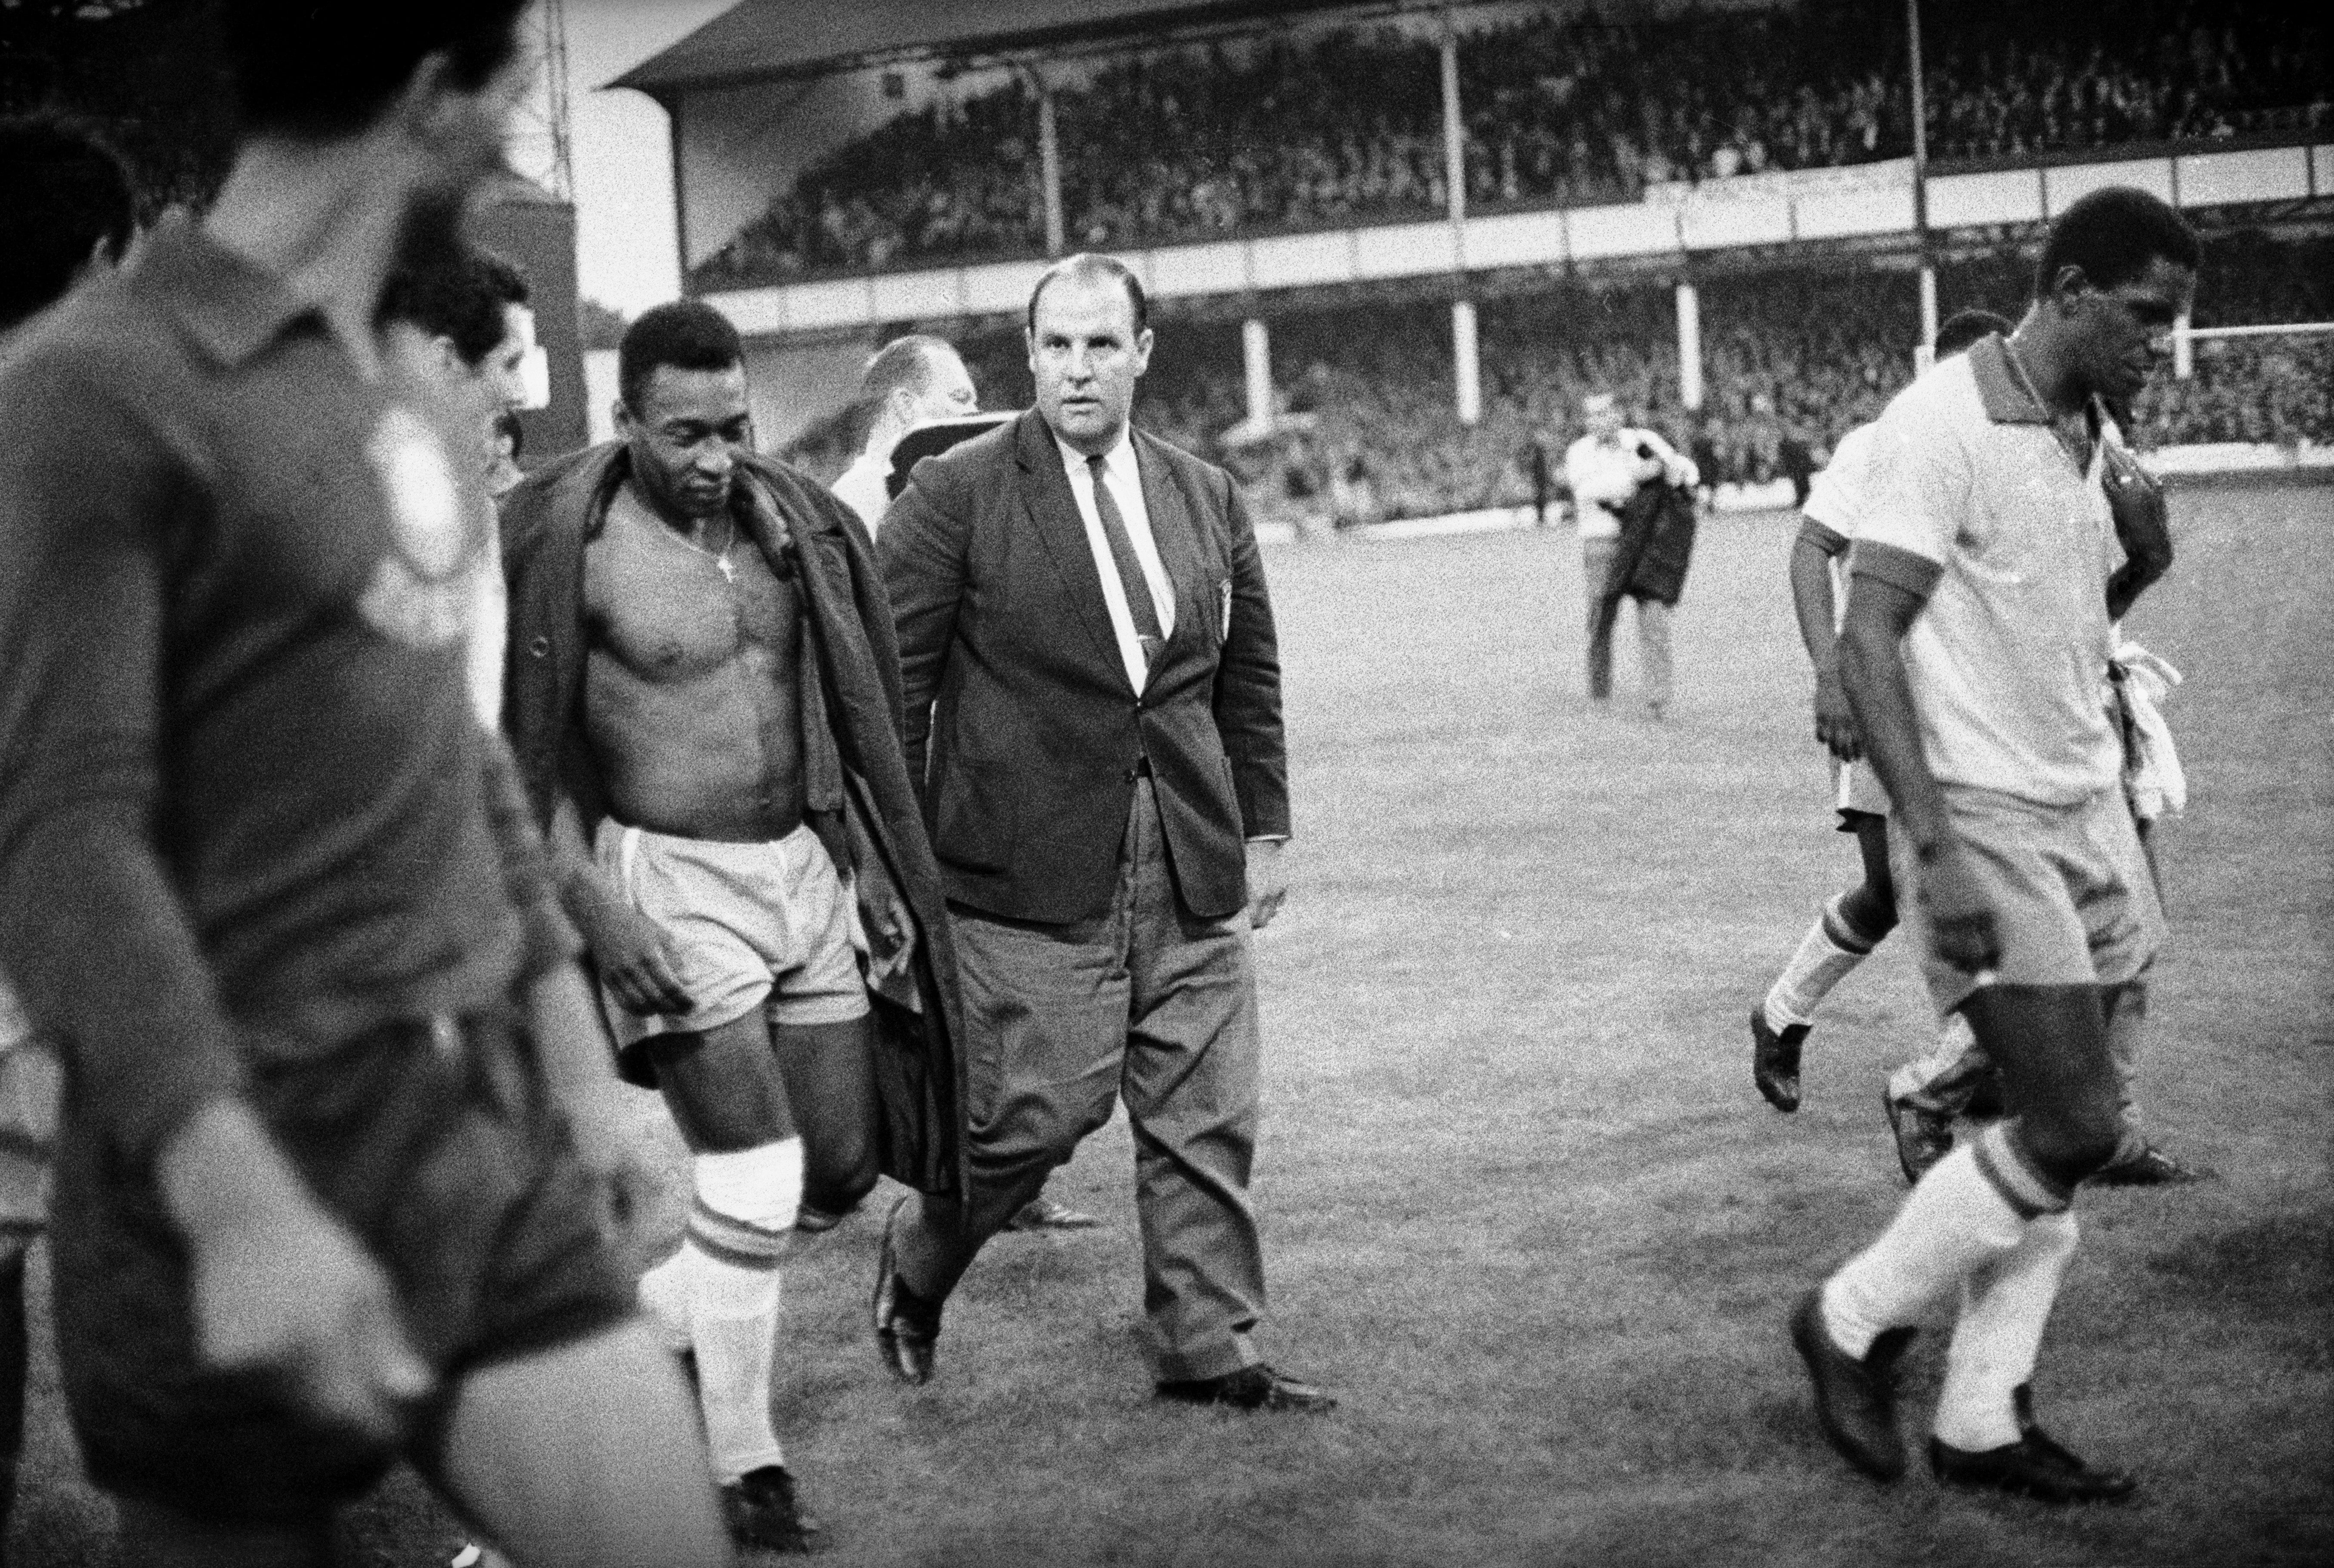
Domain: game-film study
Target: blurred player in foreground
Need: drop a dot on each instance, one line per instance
(2004, 541)
(322, 1199)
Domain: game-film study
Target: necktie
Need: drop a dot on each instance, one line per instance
(1139, 605)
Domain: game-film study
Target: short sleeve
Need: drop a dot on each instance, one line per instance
(1841, 492)
(1918, 479)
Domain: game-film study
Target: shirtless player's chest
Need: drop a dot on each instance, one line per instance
(670, 607)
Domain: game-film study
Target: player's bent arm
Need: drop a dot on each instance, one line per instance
(93, 934)
(1888, 591)
(631, 951)
(1890, 588)
(1812, 554)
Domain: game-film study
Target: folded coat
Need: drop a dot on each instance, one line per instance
(1656, 545)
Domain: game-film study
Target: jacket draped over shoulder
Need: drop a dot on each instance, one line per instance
(547, 524)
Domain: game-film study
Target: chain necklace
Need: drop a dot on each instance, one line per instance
(2077, 446)
(721, 561)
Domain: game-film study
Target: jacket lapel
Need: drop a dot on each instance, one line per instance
(1053, 517)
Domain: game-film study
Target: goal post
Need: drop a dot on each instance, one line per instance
(2185, 338)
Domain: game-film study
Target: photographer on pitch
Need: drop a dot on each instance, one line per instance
(1632, 499)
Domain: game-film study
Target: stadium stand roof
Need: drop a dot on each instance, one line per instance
(759, 40)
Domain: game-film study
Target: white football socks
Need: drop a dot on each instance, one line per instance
(2005, 1305)
(1953, 1223)
(1826, 955)
(722, 1290)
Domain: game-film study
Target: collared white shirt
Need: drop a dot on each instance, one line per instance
(863, 489)
(2008, 659)
(1126, 482)
(1604, 475)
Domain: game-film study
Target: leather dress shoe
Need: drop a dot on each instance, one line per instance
(2036, 1466)
(762, 1511)
(1856, 1400)
(1775, 1060)
(1256, 1387)
(907, 1326)
(1923, 1137)
(1042, 1212)
(2151, 1167)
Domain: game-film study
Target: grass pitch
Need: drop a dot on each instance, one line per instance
(1523, 1208)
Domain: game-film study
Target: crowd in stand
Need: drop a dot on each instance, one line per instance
(1791, 359)
(1310, 127)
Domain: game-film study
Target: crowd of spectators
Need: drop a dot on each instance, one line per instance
(1792, 360)
(1311, 126)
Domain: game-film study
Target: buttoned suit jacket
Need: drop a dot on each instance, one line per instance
(1024, 733)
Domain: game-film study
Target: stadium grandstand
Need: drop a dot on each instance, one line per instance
(1391, 243)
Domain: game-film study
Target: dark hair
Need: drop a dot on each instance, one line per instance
(63, 193)
(2112, 234)
(320, 70)
(458, 296)
(1963, 328)
(686, 334)
(1090, 264)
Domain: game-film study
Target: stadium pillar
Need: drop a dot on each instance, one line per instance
(1689, 312)
(2184, 348)
(1256, 353)
(1454, 134)
(1465, 368)
(1926, 354)
(1049, 163)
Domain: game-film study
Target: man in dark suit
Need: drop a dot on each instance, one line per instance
(1093, 706)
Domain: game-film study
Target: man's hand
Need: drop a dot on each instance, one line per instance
(1267, 881)
(2142, 521)
(1967, 935)
(280, 1289)
(636, 958)
(1835, 722)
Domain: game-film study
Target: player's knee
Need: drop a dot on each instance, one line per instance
(839, 1173)
(1870, 913)
(2071, 1140)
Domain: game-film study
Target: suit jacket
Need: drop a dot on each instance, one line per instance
(1023, 732)
(878, 836)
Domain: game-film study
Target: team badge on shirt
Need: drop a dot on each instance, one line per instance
(418, 596)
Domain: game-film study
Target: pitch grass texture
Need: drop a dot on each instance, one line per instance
(1524, 1210)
